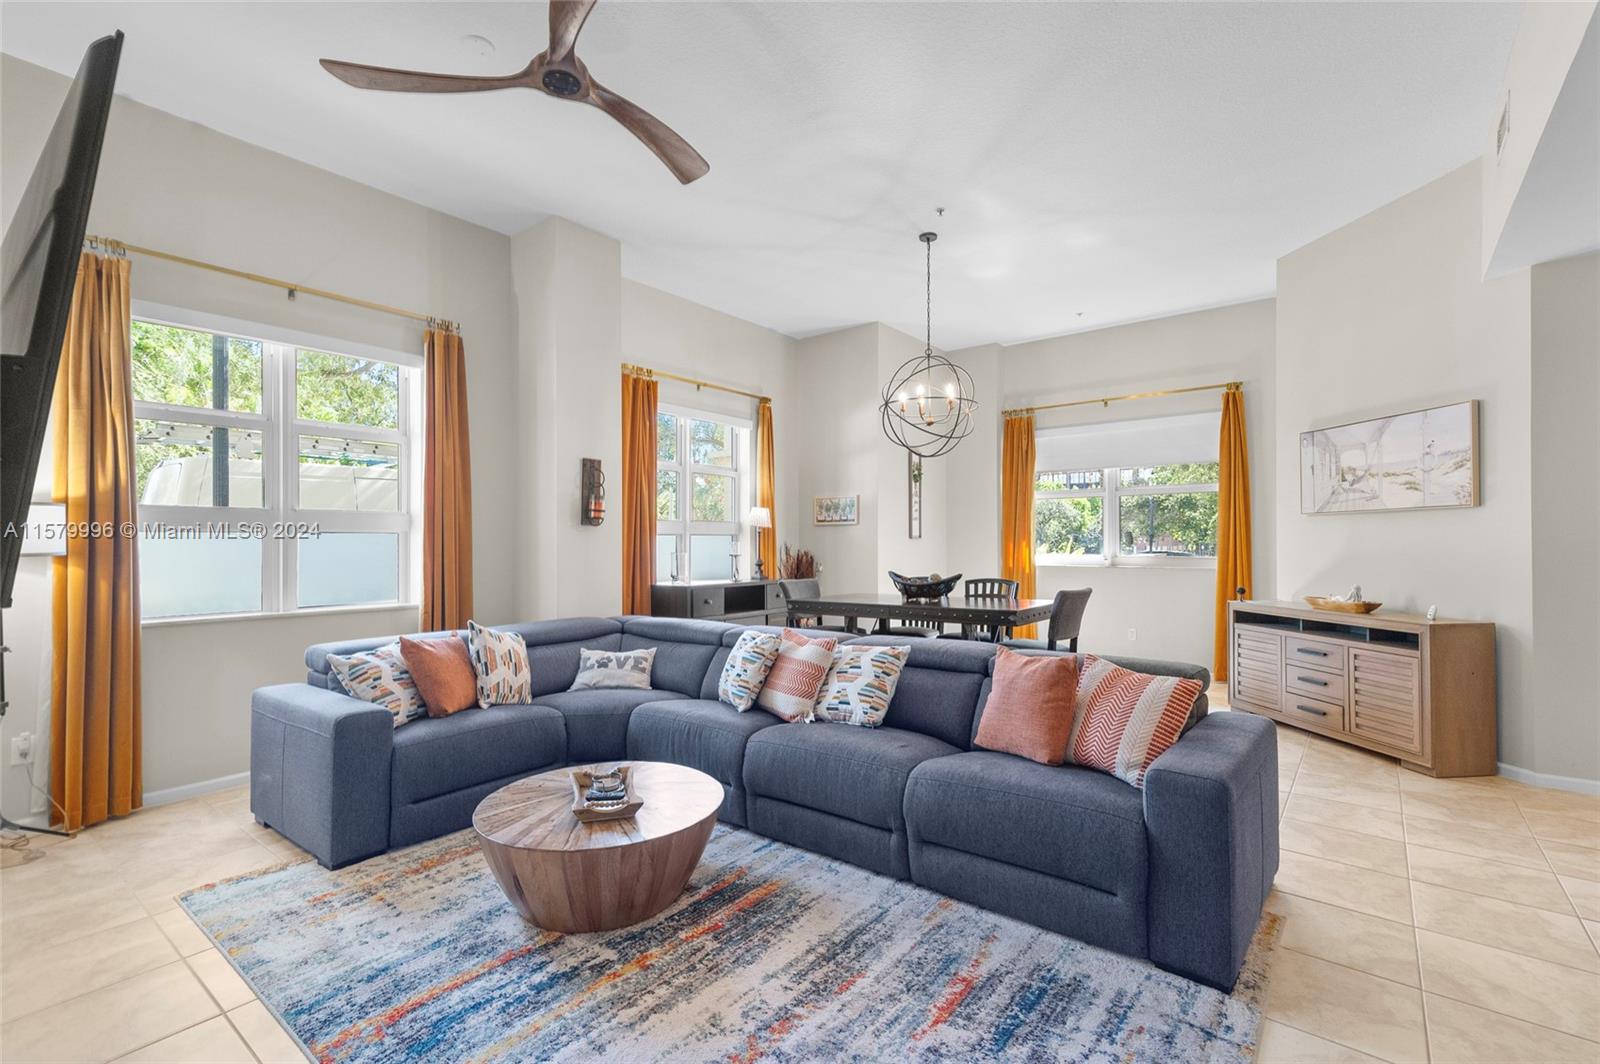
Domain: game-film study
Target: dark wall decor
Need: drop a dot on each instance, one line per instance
(593, 504)
(914, 496)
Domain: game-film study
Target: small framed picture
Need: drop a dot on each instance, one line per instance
(836, 510)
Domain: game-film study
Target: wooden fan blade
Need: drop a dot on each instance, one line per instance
(685, 163)
(390, 80)
(566, 22)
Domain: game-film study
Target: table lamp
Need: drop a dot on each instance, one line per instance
(760, 519)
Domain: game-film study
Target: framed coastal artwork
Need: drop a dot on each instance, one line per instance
(836, 510)
(1424, 459)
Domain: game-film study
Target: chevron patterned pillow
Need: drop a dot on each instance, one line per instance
(791, 688)
(1127, 719)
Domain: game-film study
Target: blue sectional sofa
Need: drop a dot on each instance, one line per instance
(1176, 872)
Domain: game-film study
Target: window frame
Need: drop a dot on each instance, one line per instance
(683, 527)
(280, 468)
(1111, 492)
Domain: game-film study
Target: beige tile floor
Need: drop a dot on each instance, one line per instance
(1423, 919)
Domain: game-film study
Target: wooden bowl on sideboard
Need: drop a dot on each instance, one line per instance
(1335, 606)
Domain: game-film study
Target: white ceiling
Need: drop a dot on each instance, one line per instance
(1100, 163)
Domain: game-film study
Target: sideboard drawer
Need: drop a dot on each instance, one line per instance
(1313, 653)
(1317, 683)
(1313, 713)
(705, 602)
(774, 596)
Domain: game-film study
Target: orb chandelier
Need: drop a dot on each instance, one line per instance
(928, 405)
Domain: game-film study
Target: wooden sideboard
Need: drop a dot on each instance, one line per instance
(1418, 690)
(734, 601)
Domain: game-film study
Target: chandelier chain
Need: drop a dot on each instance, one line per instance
(928, 345)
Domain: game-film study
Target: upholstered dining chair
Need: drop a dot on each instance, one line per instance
(811, 589)
(1066, 618)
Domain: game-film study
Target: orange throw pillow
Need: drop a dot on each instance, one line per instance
(442, 669)
(1030, 707)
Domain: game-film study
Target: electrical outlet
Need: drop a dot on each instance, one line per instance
(1133, 634)
(22, 748)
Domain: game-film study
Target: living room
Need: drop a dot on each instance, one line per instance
(397, 361)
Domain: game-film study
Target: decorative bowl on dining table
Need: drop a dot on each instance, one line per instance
(924, 587)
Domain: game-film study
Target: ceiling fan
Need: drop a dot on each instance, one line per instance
(556, 71)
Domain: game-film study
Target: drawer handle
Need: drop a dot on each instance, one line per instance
(1311, 709)
(1308, 650)
(1312, 679)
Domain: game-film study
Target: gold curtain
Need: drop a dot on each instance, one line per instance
(1233, 521)
(766, 492)
(638, 491)
(446, 485)
(1016, 510)
(96, 760)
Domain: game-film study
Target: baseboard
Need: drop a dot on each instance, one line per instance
(1545, 779)
(194, 790)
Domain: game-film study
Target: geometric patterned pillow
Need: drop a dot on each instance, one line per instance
(791, 688)
(1127, 719)
(500, 660)
(748, 664)
(861, 684)
(380, 676)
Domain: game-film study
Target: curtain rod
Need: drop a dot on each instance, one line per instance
(645, 371)
(291, 287)
(1231, 386)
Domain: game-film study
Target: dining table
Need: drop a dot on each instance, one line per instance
(991, 614)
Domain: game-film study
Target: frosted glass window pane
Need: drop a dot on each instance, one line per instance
(349, 569)
(709, 558)
(666, 559)
(190, 577)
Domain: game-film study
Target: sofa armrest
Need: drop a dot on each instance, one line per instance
(1211, 816)
(319, 770)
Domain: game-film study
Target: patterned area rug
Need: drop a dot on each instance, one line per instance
(772, 953)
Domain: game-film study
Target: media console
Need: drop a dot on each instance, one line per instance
(1418, 690)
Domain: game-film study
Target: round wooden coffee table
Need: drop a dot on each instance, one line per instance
(565, 875)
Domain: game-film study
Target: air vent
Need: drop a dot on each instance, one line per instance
(1504, 128)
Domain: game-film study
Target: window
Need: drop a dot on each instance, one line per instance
(271, 476)
(1127, 492)
(699, 495)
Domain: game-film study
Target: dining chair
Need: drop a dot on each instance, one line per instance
(988, 587)
(1066, 618)
(811, 589)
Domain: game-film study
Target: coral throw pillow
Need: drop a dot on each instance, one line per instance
(861, 683)
(1128, 719)
(748, 664)
(380, 676)
(500, 665)
(791, 688)
(442, 669)
(1030, 707)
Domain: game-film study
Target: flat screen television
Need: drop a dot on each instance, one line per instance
(40, 263)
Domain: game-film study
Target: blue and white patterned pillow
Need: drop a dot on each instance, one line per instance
(380, 676)
(614, 668)
(860, 684)
(748, 664)
(500, 665)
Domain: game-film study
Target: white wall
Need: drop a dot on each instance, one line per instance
(665, 332)
(1549, 38)
(835, 379)
(1390, 314)
(1169, 608)
(181, 187)
(1566, 516)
